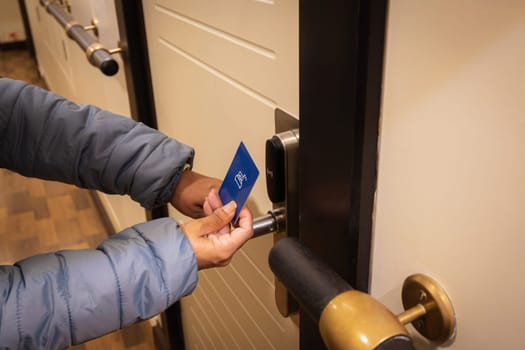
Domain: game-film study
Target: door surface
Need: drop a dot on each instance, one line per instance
(450, 192)
(219, 69)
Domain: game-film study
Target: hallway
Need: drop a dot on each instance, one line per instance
(38, 216)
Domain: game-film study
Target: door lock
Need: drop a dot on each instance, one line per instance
(282, 152)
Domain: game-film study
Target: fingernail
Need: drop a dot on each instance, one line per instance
(230, 207)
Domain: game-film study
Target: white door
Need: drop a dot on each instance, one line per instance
(451, 189)
(219, 70)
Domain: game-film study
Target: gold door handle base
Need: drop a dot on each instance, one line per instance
(428, 308)
(355, 320)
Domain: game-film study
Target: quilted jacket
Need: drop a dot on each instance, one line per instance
(51, 301)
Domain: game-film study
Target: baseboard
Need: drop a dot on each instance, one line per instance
(108, 224)
(14, 45)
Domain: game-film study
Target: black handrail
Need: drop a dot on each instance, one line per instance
(97, 54)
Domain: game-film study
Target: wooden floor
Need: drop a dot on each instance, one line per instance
(39, 216)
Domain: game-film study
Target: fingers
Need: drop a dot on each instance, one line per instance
(212, 202)
(189, 192)
(245, 218)
(214, 199)
(244, 229)
(210, 237)
(217, 220)
(206, 207)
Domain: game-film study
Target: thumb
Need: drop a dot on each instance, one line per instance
(221, 217)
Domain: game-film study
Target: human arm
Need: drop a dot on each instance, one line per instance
(53, 300)
(59, 298)
(43, 135)
(214, 247)
(191, 191)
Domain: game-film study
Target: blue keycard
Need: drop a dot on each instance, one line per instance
(239, 180)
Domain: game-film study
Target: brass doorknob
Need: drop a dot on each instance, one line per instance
(428, 308)
(352, 320)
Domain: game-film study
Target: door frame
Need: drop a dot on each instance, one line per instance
(341, 46)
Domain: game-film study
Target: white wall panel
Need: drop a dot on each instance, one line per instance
(450, 190)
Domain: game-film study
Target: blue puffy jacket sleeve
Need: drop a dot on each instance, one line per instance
(51, 301)
(43, 135)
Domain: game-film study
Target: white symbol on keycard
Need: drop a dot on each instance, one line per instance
(240, 178)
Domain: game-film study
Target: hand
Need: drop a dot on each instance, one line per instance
(191, 191)
(212, 239)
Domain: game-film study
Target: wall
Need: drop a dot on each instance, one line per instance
(68, 73)
(451, 190)
(11, 25)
